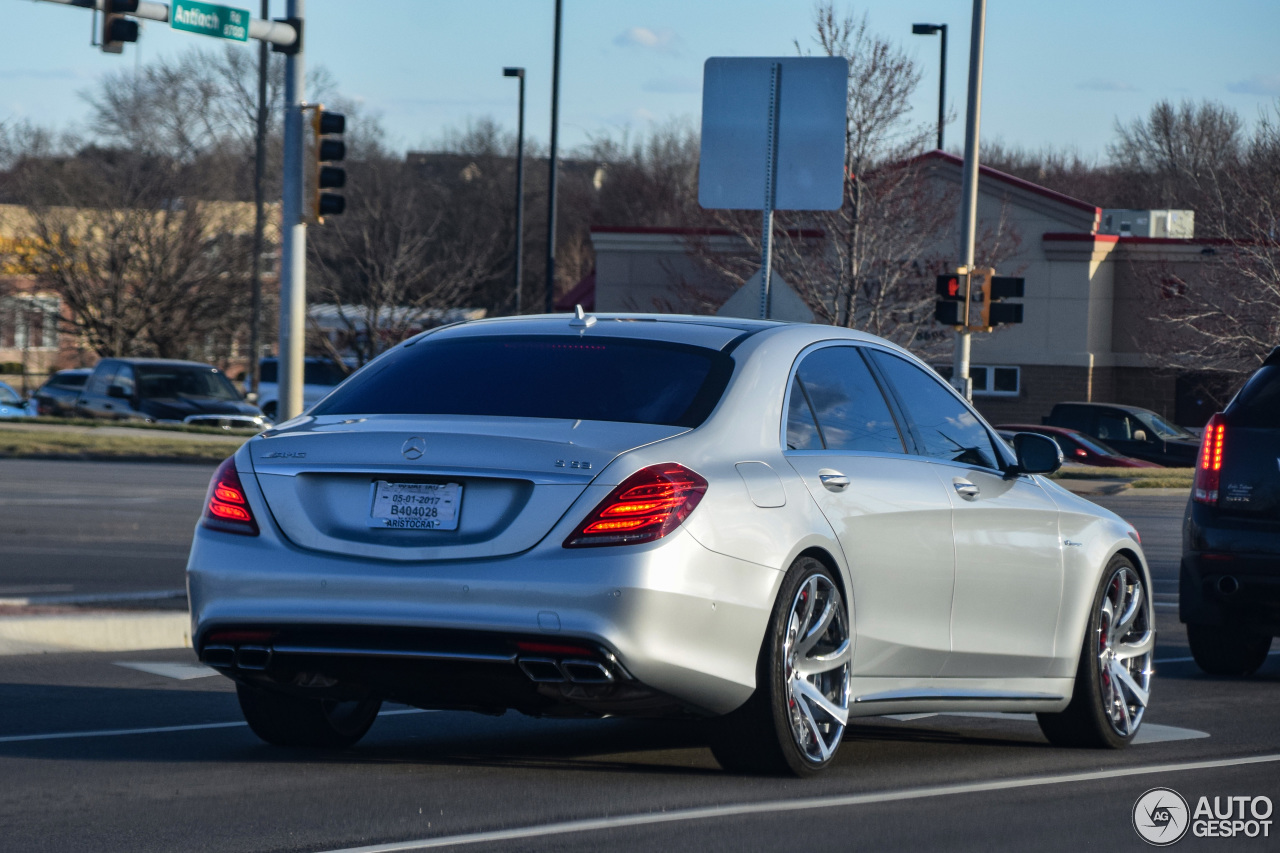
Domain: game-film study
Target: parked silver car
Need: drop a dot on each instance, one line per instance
(780, 525)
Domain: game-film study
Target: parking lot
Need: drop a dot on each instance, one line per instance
(147, 750)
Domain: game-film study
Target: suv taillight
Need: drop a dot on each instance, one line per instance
(646, 506)
(1209, 465)
(225, 506)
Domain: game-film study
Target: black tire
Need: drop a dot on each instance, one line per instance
(760, 737)
(1086, 721)
(1223, 650)
(285, 720)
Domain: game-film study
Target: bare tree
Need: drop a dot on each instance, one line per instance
(409, 245)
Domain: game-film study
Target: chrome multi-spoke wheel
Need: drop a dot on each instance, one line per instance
(795, 720)
(1113, 679)
(1125, 640)
(816, 660)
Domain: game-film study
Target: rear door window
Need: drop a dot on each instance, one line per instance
(802, 429)
(850, 410)
(1113, 426)
(1258, 403)
(943, 426)
(541, 376)
(101, 379)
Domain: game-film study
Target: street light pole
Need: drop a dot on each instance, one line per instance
(969, 201)
(259, 211)
(553, 165)
(928, 30)
(519, 73)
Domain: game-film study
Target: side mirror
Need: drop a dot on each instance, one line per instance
(117, 392)
(1140, 435)
(1037, 454)
(252, 397)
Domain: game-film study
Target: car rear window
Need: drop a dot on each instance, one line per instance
(69, 380)
(541, 376)
(1258, 403)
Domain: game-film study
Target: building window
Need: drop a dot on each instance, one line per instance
(995, 381)
(29, 322)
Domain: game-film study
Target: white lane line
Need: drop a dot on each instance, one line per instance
(97, 598)
(163, 729)
(802, 804)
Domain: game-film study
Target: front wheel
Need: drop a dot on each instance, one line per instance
(1113, 679)
(795, 720)
(1223, 650)
(285, 720)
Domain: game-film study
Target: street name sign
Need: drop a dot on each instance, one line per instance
(208, 19)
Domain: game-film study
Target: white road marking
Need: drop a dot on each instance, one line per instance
(1148, 733)
(179, 671)
(802, 804)
(97, 598)
(164, 729)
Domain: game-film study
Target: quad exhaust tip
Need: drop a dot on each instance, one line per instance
(551, 671)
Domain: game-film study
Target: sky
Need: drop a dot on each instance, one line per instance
(1057, 73)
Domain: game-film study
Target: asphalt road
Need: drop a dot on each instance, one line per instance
(96, 755)
(96, 528)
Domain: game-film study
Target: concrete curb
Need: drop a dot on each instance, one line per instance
(98, 631)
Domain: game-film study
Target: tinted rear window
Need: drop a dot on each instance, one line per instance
(69, 380)
(563, 377)
(1258, 403)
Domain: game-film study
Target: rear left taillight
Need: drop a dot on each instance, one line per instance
(646, 506)
(225, 506)
(1209, 466)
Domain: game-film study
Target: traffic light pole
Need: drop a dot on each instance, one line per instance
(293, 251)
(969, 201)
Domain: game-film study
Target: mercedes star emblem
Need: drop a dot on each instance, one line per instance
(414, 448)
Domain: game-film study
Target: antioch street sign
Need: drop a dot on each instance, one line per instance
(208, 19)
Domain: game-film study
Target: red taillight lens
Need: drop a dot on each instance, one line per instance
(646, 506)
(225, 506)
(1209, 466)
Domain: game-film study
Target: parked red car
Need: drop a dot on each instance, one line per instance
(1081, 448)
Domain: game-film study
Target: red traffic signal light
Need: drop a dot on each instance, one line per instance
(950, 287)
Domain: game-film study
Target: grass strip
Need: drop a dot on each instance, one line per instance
(131, 424)
(46, 444)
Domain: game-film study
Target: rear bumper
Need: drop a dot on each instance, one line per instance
(1229, 576)
(678, 620)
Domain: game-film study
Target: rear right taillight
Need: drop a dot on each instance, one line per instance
(226, 507)
(1209, 465)
(646, 506)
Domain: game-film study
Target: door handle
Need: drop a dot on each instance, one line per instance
(968, 491)
(833, 480)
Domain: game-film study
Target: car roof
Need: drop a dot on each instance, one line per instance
(1121, 406)
(1038, 428)
(707, 331)
(74, 370)
(162, 362)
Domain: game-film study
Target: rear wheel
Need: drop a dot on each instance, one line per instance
(1113, 678)
(795, 720)
(1225, 650)
(285, 720)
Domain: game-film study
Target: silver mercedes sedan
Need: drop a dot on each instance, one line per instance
(778, 526)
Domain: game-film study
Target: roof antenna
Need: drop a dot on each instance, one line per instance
(581, 319)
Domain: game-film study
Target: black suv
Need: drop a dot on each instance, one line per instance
(165, 390)
(1133, 431)
(1229, 591)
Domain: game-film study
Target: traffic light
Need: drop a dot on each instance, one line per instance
(116, 28)
(998, 287)
(328, 127)
(949, 309)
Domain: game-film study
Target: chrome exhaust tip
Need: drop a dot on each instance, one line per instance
(219, 656)
(1228, 585)
(253, 657)
(541, 670)
(586, 672)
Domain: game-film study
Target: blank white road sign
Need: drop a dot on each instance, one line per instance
(811, 132)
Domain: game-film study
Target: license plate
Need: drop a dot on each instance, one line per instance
(415, 506)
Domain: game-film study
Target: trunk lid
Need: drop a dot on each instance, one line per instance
(518, 476)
